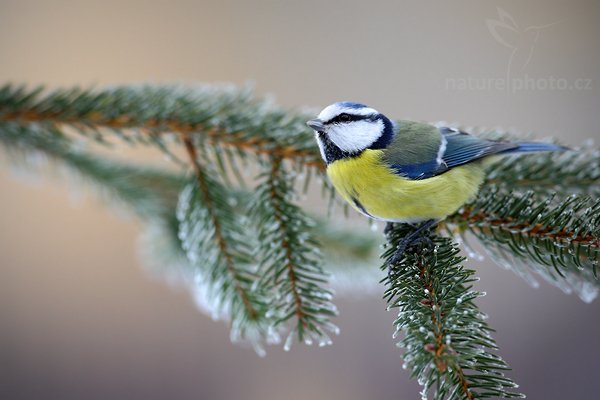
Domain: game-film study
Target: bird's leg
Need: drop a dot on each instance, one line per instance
(388, 228)
(411, 239)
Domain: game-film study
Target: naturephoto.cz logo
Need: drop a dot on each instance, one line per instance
(521, 43)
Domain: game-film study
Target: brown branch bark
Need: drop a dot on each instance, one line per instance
(439, 349)
(539, 231)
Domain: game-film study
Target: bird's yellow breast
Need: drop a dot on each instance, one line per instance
(372, 188)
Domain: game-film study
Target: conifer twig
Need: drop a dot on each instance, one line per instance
(106, 109)
(574, 171)
(289, 263)
(221, 242)
(446, 340)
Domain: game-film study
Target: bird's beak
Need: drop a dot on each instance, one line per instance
(316, 124)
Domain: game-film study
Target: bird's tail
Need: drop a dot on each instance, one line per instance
(531, 147)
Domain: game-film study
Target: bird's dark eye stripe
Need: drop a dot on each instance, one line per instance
(343, 118)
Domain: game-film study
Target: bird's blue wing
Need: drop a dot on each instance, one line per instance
(421, 151)
(462, 148)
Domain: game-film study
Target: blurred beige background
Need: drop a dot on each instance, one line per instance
(79, 319)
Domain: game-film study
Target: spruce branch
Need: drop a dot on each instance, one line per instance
(573, 221)
(215, 242)
(290, 263)
(446, 339)
(150, 192)
(566, 172)
(224, 116)
(525, 233)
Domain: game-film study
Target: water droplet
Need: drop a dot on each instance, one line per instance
(587, 292)
(273, 336)
(335, 330)
(325, 341)
(260, 350)
(288, 341)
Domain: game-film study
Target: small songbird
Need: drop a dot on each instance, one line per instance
(406, 171)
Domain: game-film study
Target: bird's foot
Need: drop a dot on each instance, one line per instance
(413, 239)
(388, 228)
(425, 240)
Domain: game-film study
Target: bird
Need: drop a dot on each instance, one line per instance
(405, 171)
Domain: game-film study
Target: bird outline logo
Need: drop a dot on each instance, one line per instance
(521, 41)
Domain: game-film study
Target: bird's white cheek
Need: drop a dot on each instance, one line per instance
(356, 136)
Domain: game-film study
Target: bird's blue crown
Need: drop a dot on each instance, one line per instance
(350, 104)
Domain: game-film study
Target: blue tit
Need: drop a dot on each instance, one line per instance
(409, 172)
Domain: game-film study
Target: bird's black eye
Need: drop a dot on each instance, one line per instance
(344, 117)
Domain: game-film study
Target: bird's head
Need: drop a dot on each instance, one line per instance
(346, 129)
